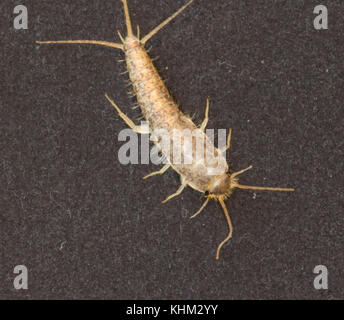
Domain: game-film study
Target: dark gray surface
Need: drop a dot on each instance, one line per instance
(88, 227)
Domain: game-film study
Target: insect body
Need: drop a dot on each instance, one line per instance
(161, 111)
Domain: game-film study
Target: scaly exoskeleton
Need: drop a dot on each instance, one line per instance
(161, 112)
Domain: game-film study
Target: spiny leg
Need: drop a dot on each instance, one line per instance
(206, 118)
(143, 129)
(161, 25)
(101, 43)
(228, 143)
(161, 171)
(178, 192)
(230, 227)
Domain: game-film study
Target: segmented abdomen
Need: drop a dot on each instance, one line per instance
(161, 112)
(156, 103)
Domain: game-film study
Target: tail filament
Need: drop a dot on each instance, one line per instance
(225, 211)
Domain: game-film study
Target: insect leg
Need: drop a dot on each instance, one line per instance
(161, 171)
(164, 23)
(178, 192)
(101, 43)
(200, 210)
(228, 144)
(206, 118)
(138, 129)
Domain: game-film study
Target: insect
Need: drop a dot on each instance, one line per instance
(160, 110)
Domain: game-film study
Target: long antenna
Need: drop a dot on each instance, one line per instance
(101, 43)
(164, 23)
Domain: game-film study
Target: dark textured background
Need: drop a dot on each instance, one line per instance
(88, 227)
